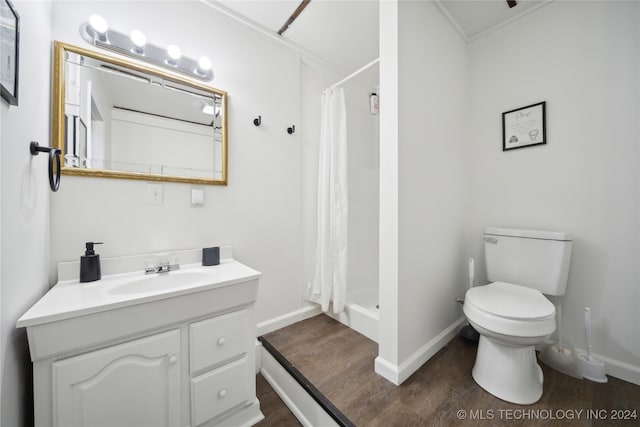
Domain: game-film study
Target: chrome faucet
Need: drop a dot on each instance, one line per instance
(163, 267)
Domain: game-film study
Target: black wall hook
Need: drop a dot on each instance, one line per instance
(54, 157)
(258, 121)
(291, 130)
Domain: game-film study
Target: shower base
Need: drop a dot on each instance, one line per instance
(361, 312)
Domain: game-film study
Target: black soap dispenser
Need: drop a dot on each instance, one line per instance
(90, 264)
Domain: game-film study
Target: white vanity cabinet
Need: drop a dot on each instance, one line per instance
(184, 357)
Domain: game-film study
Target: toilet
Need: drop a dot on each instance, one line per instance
(511, 314)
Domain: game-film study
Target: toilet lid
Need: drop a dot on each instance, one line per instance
(511, 301)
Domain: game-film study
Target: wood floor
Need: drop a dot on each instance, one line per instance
(273, 408)
(340, 363)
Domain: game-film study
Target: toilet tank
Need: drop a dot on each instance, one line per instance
(531, 258)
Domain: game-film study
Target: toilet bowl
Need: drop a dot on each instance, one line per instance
(511, 320)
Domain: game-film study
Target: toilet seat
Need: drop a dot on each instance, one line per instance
(510, 310)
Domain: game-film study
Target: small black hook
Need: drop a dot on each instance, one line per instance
(258, 121)
(291, 130)
(54, 157)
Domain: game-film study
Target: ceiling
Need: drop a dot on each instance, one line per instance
(344, 33)
(473, 18)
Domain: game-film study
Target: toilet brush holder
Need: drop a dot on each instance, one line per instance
(592, 368)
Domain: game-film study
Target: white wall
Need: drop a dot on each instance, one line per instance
(432, 176)
(313, 82)
(24, 199)
(258, 212)
(388, 230)
(582, 59)
(364, 182)
(423, 183)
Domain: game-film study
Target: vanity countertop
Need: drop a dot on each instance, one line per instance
(70, 298)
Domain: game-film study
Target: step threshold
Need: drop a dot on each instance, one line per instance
(320, 399)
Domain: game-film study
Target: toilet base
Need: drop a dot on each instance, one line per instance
(508, 372)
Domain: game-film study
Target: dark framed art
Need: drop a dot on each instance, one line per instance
(524, 127)
(9, 52)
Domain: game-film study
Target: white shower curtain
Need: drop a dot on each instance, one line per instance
(329, 278)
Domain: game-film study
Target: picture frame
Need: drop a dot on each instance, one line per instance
(524, 127)
(9, 52)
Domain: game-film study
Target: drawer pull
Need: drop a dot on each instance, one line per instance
(221, 341)
(173, 359)
(222, 393)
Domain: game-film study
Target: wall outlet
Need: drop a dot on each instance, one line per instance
(155, 194)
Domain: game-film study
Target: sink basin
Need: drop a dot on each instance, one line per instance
(161, 281)
(127, 287)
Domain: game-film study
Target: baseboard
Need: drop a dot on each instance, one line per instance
(397, 374)
(387, 370)
(621, 370)
(287, 319)
(301, 404)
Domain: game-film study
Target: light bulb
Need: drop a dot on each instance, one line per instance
(204, 63)
(138, 38)
(100, 26)
(208, 108)
(174, 52)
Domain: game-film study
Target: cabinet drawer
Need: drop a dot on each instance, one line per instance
(219, 390)
(218, 339)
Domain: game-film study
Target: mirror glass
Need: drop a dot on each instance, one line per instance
(117, 118)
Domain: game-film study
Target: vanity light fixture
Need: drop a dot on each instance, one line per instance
(98, 33)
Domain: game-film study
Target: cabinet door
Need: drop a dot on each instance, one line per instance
(132, 384)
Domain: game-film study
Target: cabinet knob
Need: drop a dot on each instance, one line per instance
(222, 393)
(173, 359)
(221, 341)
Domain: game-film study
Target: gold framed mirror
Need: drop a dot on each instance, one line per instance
(116, 118)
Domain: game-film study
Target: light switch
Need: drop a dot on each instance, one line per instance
(155, 194)
(197, 196)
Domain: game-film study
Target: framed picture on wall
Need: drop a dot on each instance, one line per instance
(9, 52)
(524, 127)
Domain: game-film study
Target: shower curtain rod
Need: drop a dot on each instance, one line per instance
(355, 73)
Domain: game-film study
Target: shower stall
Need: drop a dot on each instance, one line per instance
(362, 303)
